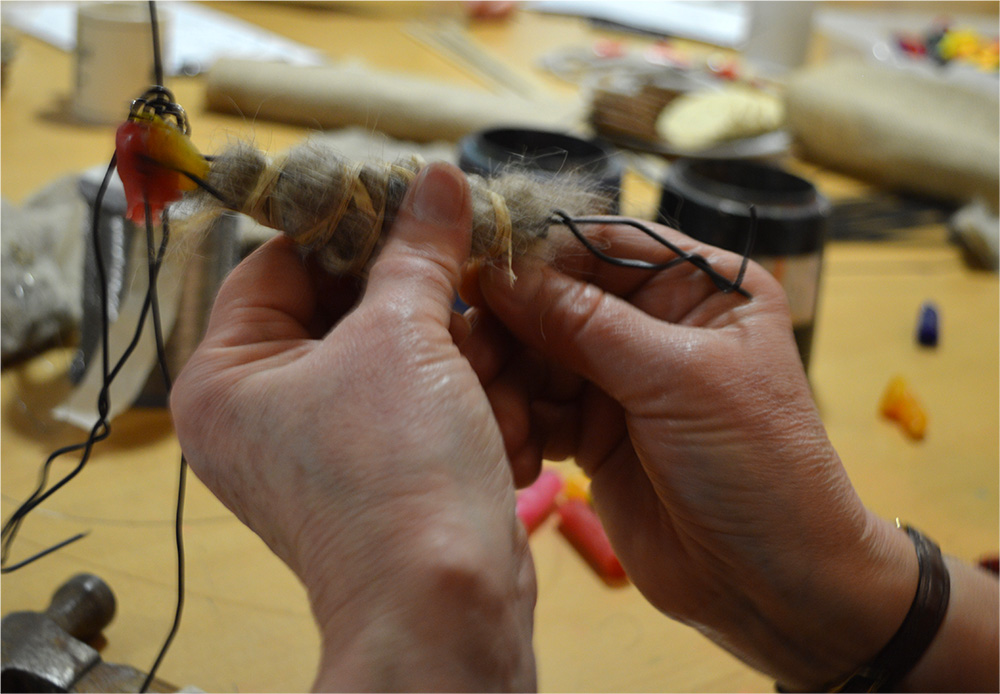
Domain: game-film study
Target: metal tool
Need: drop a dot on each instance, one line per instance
(46, 651)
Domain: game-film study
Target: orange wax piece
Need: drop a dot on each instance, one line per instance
(899, 403)
(577, 487)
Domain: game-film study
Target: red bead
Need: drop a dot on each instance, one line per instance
(144, 180)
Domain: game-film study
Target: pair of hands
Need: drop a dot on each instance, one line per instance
(373, 438)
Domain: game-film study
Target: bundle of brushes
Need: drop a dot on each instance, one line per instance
(628, 111)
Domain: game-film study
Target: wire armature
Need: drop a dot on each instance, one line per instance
(158, 101)
(101, 428)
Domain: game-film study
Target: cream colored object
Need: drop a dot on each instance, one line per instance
(898, 129)
(114, 58)
(702, 119)
(404, 106)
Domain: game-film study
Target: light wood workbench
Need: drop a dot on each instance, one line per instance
(247, 625)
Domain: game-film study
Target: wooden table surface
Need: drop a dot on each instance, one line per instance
(247, 625)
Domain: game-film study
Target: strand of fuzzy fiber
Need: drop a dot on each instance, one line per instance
(337, 209)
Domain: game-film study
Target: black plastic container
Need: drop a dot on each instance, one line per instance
(545, 154)
(709, 200)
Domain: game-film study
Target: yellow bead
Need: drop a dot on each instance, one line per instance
(169, 147)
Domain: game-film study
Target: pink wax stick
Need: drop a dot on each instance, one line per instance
(582, 527)
(536, 501)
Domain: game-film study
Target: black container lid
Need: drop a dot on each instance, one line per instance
(543, 153)
(710, 200)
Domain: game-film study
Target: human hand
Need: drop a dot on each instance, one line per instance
(346, 429)
(710, 467)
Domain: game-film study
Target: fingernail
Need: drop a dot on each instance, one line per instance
(471, 316)
(460, 327)
(438, 195)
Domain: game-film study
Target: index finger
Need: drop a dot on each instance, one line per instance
(618, 254)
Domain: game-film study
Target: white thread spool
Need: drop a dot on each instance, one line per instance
(114, 58)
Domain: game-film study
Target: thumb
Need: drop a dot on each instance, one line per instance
(592, 332)
(428, 242)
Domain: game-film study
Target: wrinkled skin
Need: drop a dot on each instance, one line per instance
(374, 439)
(349, 432)
(690, 411)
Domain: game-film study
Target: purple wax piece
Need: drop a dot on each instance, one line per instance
(927, 327)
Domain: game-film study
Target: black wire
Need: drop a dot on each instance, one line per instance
(179, 605)
(161, 356)
(102, 428)
(44, 552)
(700, 262)
(160, 101)
(207, 187)
(157, 58)
(174, 109)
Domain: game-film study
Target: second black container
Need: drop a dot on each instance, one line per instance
(710, 200)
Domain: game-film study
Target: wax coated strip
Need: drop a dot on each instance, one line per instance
(581, 526)
(536, 502)
(900, 404)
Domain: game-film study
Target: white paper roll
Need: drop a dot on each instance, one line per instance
(408, 107)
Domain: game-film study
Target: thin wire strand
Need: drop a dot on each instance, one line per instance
(721, 281)
(197, 180)
(154, 24)
(160, 101)
(39, 555)
(102, 428)
(161, 357)
(179, 606)
(164, 366)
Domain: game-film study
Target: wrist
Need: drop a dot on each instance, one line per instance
(848, 610)
(448, 613)
(965, 653)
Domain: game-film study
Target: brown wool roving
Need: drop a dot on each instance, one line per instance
(338, 209)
